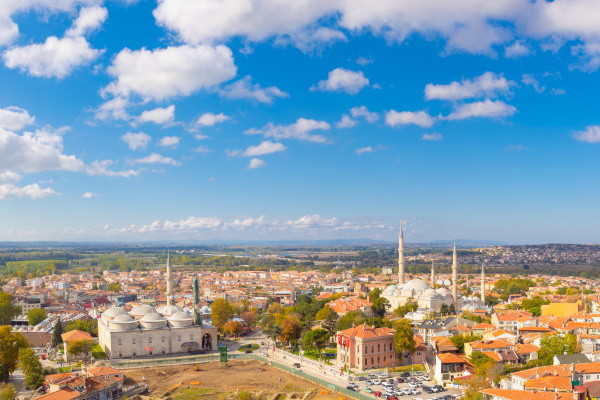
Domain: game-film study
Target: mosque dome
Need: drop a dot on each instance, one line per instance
(205, 310)
(431, 294)
(141, 310)
(112, 312)
(123, 322)
(390, 290)
(167, 311)
(153, 321)
(416, 284)
(444, 291)
(180, 318)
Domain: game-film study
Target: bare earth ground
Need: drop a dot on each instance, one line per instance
(218, 381)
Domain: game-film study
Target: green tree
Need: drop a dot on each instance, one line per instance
(36, 315)
(32, 368)
(460, 340)
(346, 321)
(7, 392)
(57, 333)
(556, 345)
(478, 358)
(7, 310)
(114, 287)
(328, 319)
(316, 339)
(411, 305)
(404, 337)
(79, 348)
(87, 325)
(10, 343)
(291, 328)
(222, 311)
(380, 304)
(233, 328)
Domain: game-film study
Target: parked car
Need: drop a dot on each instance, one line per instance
(399, 380)
(405, 374)
(369, 382)
(384, 375)
(362, 378)
(369, 390)
(377, 393)
(296, 365)
(376, 381)
(353, 388)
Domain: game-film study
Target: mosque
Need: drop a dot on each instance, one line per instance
(427, 297)
(146, 331)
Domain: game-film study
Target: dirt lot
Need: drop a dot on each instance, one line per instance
(217, 381)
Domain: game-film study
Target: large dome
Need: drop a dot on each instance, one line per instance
(152, 317)
(444, 291)
(415, 284)
(113, 312)
(141, 310)
(390, 289)
(123, 322)
(431, 294)
(180, 319)
(168, 310)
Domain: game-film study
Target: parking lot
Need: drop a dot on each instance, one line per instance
(405, 386)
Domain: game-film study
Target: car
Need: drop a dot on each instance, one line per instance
(414, 391)
(248, 351)
(369, 382)
(406, 391)
(398, 393)
(413, 384)
(362, 378)
(353, 388)
(405, 374)
(371, 376)
(427, 389)
(439, 388)
(399, 380)
(353, 384)
(296, 365)
(376, 381)
(376, 393)
(384, 375)
(419, 373)
(369, 390)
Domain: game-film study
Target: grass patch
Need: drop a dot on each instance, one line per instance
(98, 353)
(65, 369)
(192, 394)
(408, 368)
(252, 347)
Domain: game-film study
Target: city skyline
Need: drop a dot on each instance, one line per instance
(172, 120)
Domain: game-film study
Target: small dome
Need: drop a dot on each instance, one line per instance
(143, 309)
(444, 291)
(205, 310)
(167, 311)
(113, 312)
(415, 284)
(390, 289)
(180, 316)
(152, 317)
(431, 294)
(122, 318)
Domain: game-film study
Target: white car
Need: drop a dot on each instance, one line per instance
(376, 381)
(384, 375)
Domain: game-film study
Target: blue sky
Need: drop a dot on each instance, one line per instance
(259, 120)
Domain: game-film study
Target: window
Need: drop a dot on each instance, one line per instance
(192, 336)
(372, 349)
(390, 346)
(372, 360)
(120, 342)
(366, 360)
(366, 349)
(378, 348)
(150, 339)
(133, 341)
(179, 338)
(163, 339)
(378, 361)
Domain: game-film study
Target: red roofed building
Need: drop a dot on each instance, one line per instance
(72, 336)
(449, 366)
(347, 304)
(366, 347)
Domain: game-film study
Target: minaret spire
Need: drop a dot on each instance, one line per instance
(432, 276)
(169, 281)
(401, 256)
(455, 277)
(483, 283)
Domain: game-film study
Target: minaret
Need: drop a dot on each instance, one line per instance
(483, 283)
(401, 256)
(169, 281)
(454, 277)
(197, 316)
(432, 276)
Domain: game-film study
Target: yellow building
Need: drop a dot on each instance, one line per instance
(562, 309)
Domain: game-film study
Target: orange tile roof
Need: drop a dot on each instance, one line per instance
(483, 325)
(347, 304)
(493, 355)
(366, 331)
(523, 394)
(76, 335)
(535, 329)
(57, 377)
(550, 383)
(449, 358)
(62, 394)
(103, 370)
(526, 348)
(491, 344)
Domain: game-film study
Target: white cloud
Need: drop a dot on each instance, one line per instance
(311, 40)
(33, 191)
(155, 158)
(591, 134)
(264, 148)
(202, 150)
(200, 136)
(397, 118)
(101, 167)
(15, 118)
(530, 80)
(136, 141)
(486, 108)
(364, 112)
(115, 108)
(363, 150)
(183, 70)
(299, 130)
(343, 80)
(517, 147)
(158, 115)
(89, 19)
(55, 58)
(364, 61)
(485, 85)
(210, 119)
(346, 122)
(558, 91)
(255, 163)
(517, 49)
(9, 177)
(245, 89)
(89, 195)
(188, 224)
(169, 141)
(432, 136)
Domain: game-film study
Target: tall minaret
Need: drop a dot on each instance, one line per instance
(454, 277)
(483, 282)
(401, 256)
(197, 316)
(432, 276)
(169, 281)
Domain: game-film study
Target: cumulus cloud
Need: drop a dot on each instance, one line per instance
(158, 115)
(264, 148)
(15, 118)
(55, 58)
(363, 150)
(517, 49)
(156, 158)
(530, 80)
(398, 118)
(255, 163)
(169, 141)
(486, 85)
(136, 140)
(343, 80)
(345, 122)
(299, 130)
(245, 89)
(210, 119)
(590, 134)
(432, 136)
(33, 191)
(115, 108)
(486, 108)
(364, 112)
(9, 177)
(89, 195)
(183, 70)
(89, 19)
(101, 167)
(203, 150)
(311, 40)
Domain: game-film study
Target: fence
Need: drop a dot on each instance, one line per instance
(215, 357)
